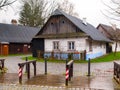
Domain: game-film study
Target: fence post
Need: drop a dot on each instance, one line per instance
(34, 63)
(28, 70)
(114, 68)
(67, 75)
(45, 66)
(20, 74)
(2, 63)
(88, 67)
(72, 70)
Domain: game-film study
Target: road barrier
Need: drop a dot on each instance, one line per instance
(21, 66)
(69, 72)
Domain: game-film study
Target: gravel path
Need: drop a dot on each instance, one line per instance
(59, 68)
(101, 74)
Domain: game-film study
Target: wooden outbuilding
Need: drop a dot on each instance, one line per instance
(16, 39)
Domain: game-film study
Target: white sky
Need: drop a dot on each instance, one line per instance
(91, 9)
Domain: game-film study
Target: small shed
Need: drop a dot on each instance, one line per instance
(16, 39)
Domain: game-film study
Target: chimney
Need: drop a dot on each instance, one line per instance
(14, 21)
(84, 21)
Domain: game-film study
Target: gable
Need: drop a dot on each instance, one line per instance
(108, 31)
(74, 25)
(59, 25)
(103, 31)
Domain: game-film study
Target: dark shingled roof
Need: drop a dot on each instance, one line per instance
(86, 28)
(111, 33)
(17, 33)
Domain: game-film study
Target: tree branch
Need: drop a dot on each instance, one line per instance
(4, 3)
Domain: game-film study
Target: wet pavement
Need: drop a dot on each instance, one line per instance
(101, 75)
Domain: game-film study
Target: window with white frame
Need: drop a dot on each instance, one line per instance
(55, 45)
(71, 45)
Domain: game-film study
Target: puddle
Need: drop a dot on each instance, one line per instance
(99, 82)
(11, 78)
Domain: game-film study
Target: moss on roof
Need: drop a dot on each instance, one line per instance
(62, 35)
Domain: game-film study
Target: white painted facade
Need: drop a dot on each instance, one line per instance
(118, 46)
(97, 47)
(81, 44)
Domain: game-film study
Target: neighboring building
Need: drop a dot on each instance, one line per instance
(112, 34)
(16, 39)
(64, 34)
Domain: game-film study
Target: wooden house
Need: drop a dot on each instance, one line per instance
(16, 39)
(64, 34)
(112, 34)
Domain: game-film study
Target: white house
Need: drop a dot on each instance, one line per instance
(112, 34)
(64, 34)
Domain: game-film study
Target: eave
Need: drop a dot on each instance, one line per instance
(62, 35)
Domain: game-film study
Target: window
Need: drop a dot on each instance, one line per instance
(56, 45)
(71, 45)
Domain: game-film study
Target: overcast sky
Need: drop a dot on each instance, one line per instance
(90, 9)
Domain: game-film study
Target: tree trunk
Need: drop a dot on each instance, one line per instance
(115, 48)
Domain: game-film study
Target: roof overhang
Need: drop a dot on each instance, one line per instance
(62, 35)
(4, 42)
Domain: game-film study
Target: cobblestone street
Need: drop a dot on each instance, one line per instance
(101, 75)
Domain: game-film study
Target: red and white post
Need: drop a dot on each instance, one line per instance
(67, 75)
(20, 74)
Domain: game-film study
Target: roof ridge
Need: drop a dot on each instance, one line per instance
(18, 25)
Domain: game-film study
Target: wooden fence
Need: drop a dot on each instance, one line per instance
(58, 55)
(21, 66)
(117, 72)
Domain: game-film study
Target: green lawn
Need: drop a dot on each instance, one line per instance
(12, 55)
(105, 58)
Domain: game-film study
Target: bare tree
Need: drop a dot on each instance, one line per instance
(115, 36)
(113, 10)
(68, 7)
(4, 3)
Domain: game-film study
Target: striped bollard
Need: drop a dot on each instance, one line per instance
(20, 75)
(67, 75)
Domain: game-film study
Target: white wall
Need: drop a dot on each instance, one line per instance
(118, 46)
(80, 44)
(97, 47)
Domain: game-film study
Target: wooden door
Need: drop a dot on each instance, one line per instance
(25, 49)
(5, 50)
